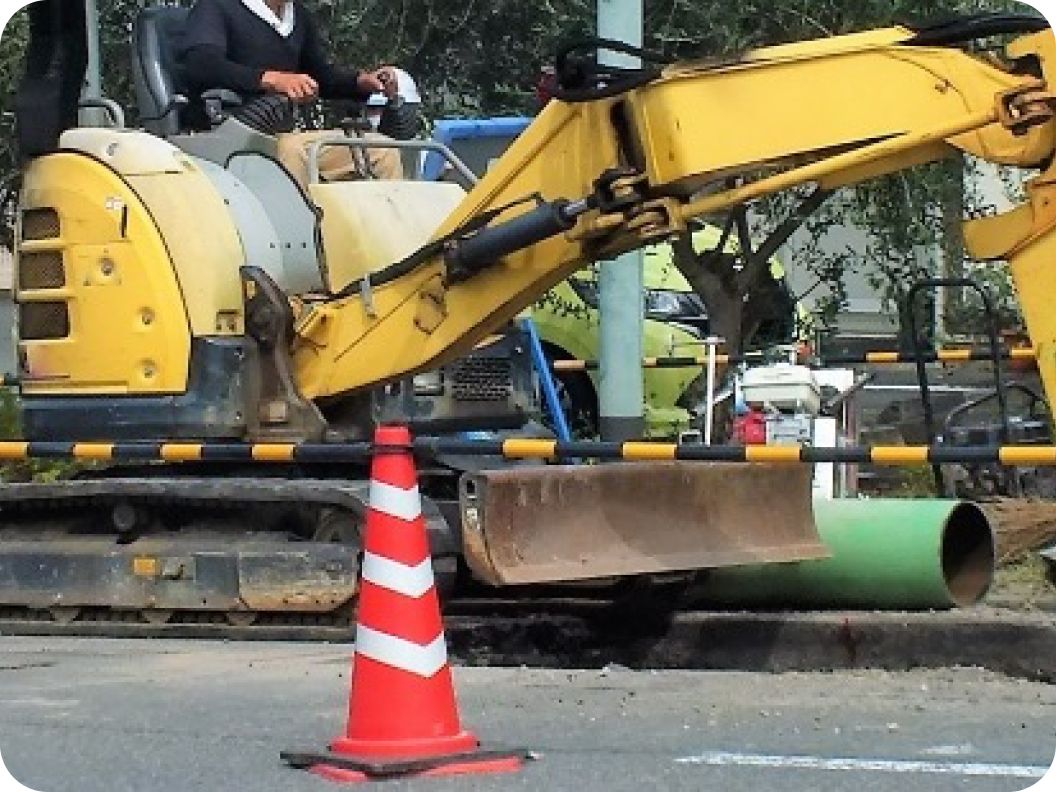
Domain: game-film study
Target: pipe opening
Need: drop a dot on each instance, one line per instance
(969, 554)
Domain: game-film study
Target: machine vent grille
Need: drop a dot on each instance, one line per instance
(40, 224)
(41, 269)
(481, 379)
(43, 320)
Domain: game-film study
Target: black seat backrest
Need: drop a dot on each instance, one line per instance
(156, 41)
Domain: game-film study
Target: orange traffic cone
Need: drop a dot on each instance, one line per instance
(402, 714)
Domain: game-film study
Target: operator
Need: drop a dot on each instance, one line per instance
(254, 47)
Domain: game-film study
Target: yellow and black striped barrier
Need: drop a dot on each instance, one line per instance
(723, 359)
(866, 358)
(524, 448)
(530, 448)
(179, 451)
(932, 356)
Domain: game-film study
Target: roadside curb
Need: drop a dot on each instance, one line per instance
(1013, 643)
(1017, 644)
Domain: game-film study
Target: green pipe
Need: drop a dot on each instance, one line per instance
(887, 554)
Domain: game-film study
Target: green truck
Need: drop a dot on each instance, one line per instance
(674, 324)
(675, 321)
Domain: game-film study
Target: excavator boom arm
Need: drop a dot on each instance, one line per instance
(590, 179)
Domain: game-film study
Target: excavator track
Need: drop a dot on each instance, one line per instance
(268, 554)
(480, 627)
(180, 557)
(206, 555)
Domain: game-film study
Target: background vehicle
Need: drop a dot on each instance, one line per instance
(178, 286)
(674, 325)
(675, 321)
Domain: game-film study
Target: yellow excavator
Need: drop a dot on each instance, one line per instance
(176, 285)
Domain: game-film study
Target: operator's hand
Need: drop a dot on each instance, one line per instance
(298, 87)
(381, 80)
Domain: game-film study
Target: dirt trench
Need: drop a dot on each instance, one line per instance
(1023, 526)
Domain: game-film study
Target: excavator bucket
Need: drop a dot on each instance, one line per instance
(550, 523)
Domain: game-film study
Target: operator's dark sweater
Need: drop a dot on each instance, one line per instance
(226, 45)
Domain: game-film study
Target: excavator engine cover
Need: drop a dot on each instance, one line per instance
(552, 523)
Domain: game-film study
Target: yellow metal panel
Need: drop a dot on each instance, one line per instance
(369, 224)
(145, 566)
(813, 48)
(126, 151)
(199, 235)
(992, 237)
(855, 174)
(1032, 274)
(127, 326)
(203, 245)
(820, 106)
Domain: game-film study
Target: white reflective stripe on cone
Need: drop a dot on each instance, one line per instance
(400, 653)
(411, 581)
(404, 504)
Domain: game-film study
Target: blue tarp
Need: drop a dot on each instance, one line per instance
(456, 132)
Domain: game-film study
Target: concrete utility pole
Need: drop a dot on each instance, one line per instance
(621, 395)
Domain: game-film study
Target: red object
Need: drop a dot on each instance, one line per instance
(402, 713)
(750, 428)
(545, 88)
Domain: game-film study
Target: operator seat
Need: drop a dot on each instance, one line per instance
(156, 37)
(278, 226)
(332, 236)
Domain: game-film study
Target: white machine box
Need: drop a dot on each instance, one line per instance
(783, 386)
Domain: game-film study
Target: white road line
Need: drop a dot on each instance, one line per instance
(720, 758)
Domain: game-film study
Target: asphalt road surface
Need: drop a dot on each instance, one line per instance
(80, 715)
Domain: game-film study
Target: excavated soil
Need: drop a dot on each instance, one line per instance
(1023, 526)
